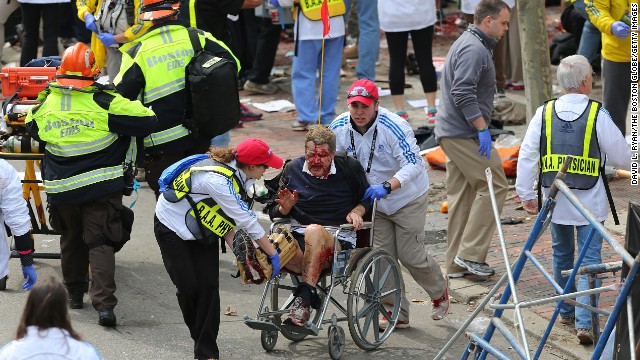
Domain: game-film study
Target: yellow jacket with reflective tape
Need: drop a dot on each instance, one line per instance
(87, 133)
(153, 69)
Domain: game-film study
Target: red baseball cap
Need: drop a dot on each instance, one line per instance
(364, 91)
(256, 152)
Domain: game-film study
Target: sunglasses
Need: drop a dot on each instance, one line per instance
(360, 91)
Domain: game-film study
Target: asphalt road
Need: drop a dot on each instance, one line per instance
(150, 324)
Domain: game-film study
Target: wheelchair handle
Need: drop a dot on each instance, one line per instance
(365, 225)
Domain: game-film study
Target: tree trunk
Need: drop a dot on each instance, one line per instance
(535, 53)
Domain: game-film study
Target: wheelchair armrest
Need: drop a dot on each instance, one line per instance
(365, 225)
(279, 221)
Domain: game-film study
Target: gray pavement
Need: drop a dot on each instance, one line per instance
(150, 322)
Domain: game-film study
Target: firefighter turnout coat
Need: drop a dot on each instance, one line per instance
(87, 132)
(153, 69)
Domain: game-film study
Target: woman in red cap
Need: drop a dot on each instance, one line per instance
(203, 204)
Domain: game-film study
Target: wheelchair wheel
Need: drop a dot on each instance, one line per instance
(336, 342)
(268, 339)
(376, 279)
(282, 299)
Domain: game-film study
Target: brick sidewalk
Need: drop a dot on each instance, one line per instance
(275, 129)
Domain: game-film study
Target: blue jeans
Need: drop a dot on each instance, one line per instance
(563, 246)
(304, 83)
(590, 41)
(369, 39)
(222, 140)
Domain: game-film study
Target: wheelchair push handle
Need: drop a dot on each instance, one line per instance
(365, 225)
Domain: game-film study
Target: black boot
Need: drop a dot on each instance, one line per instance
(106, 317)
(75, 300)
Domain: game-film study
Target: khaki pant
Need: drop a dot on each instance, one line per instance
(471, 221)
(398, 234)
(86, 234)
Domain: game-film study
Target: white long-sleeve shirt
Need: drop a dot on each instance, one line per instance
(396, 155)
(48, 344)
(14, 211)
(612, 145)
(220, 189)
(406, 15)
(305, 29)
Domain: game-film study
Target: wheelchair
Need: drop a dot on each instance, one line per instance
(367, 276)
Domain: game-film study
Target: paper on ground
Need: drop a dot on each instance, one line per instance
(276, 105)
(421, 103)
(383, 92)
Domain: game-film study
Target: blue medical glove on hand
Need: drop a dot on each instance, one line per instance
(485, 143)
(29, 273)
(90, 22)
(107, 39)
(375, 192)
(274, 3)
(275, 263)
(620, 29)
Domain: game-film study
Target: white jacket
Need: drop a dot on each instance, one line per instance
(48, 344)
(14, 211)
(396, 155)
(305, 29)
(612, 145)
(220, 189)
(406, 15)
(469, 6)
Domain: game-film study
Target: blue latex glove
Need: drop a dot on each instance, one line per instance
(29, 273)
(485, 143)
(90, 22)
(375, 192)
(620, 29)
(274, 3)
(275, 263)
(107, 39)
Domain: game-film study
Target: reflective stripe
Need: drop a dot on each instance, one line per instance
(65, 100)
(192, 14)
(82, 148)
(221, 170)
(165, 136)
(163, 90)
(547, 116)
(165, 35)
(591, 120)
(82, 180)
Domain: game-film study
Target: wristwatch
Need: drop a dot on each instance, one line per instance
(387, 186)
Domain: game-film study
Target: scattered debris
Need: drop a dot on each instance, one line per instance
(230, 311)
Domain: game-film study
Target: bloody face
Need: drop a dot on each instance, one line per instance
(318, 159)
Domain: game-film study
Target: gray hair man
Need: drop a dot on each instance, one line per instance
(572, 125)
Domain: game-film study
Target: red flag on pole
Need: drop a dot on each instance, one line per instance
(324, 14)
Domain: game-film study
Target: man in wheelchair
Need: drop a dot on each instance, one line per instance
(317, 192)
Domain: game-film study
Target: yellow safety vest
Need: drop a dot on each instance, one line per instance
(312, 8)
(206, 213)
(559, 139)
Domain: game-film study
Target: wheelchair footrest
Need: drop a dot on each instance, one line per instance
(260, 325)
(301, 330)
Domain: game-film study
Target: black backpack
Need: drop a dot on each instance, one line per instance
(213, 103)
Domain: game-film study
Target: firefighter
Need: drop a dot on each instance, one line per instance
(153, 67)
(88, 130)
